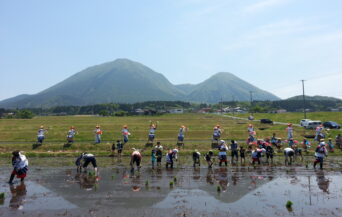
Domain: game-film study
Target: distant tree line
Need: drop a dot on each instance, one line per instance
(161, 107)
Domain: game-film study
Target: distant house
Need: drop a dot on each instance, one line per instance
(281, 111)
(139, 111)
(334, 110)
(204, 110)
(176, 111)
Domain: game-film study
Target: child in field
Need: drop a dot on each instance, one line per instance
(234, 151)
(181, 132)
(223, 156)
(269, 152)
(330, 145)
(306, 144)
(208, 157)
(196, 158)
(125, 133)
(153, 128)
(217, 133)
(289, 130)
(20, 166)
(242, 154)
(159, 153)
(119, 147)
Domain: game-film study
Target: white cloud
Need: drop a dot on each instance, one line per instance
(262, 5)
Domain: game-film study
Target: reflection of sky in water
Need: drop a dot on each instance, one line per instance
(36, 197)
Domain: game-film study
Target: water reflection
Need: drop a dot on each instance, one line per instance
(86, 181)
(322, 181)
(18, 195)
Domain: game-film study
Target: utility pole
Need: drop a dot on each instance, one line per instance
(304, 109)
(251, 97)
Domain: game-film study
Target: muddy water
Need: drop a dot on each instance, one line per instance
(244, 191)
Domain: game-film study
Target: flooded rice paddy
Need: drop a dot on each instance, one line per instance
(238, 190)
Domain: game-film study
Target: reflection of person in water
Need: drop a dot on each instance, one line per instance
(18, 195)
(322, 182)
(197, 174)
(210, 176)
(221, 175)
(86, 181)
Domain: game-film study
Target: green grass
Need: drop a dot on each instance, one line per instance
(21, 134)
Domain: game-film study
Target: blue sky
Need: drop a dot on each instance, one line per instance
(272, 44)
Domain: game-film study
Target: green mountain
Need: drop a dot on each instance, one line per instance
(227, 86)
(126, 81)
(314, 98)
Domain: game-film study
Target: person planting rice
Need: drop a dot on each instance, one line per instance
(196, 158)
(152, 131)
(242, 154)
(83, 160)
(288, 153)
(98, 132)
(135, 159)
(41, 135)
(175, 154)
(306, 144)
(234, 151)
(125, 133)
(274, 140)
(320, 153)
(256, 155)
(169, 159)
(289, 130)
(208, 157)
(181, 132)
(20, 166)
(269, 152)
(71, 134)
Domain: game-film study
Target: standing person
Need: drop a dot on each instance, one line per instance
(289, 130)
(181, 132)
(41, 135)
(208, 157)
(86, 158)
(119, 147)
(98, 132)
(125, 133)
(288, 153)
(152, 131)
(159, 153)
(242, 154)
(234, 149)
(20, 166)
(269, 152)
(222, 155)
(135, 159)
(196, 158)
(71, 134)
(320, 153)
